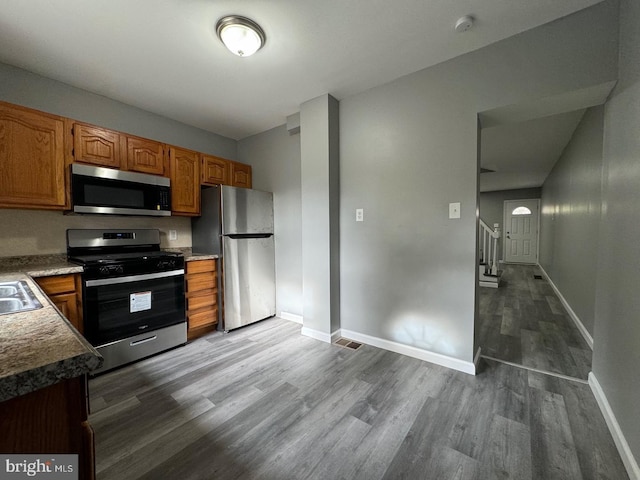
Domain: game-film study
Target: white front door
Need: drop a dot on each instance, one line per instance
(521, 231)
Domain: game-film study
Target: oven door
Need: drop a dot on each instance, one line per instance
(120, 307)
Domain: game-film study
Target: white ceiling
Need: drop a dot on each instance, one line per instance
(522, 154)
(163, 55)
(521, 143)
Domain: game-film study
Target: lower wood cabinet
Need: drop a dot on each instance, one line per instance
(201, 290)
(52, 420)
(65, 292)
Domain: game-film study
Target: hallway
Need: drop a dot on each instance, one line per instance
(523, 322)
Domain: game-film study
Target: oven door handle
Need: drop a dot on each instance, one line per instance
(132, 278)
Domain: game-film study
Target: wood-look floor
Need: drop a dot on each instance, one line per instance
(264, 402)
(524, 322)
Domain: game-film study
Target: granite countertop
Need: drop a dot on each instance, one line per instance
(39, 265)
(190, 256)
(39, 348)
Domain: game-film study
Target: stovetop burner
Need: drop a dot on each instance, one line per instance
(112, 252)
(104, 258)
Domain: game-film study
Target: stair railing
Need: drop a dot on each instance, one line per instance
(488, 244)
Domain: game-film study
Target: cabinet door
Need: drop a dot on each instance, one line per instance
(31, 159)
(145, 156)
(68, 306)
(240, 175)
(48, 420)
(185, 181)
(63, 290)
(97, 146)
(215, 171)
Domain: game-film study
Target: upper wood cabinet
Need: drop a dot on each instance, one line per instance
(32, 173)
(215, 170)
(145, 156)
(219, 171)
(185, 181)
(108, 148)
(97, 146)
(240, 175)
(33, 141)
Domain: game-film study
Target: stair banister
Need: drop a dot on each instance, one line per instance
(489, 253)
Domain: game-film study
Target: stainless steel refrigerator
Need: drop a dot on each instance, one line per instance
(237, 223)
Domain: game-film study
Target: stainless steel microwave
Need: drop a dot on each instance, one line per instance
(115, 192)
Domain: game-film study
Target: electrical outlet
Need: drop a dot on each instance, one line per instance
(173, 234)
(359, 214)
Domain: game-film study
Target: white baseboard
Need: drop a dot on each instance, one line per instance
(476, 359)
(585, 333)
(323, 337)
(628, 459)
(410, 351)
(291, 317)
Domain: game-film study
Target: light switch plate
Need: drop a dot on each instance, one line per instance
(359, 214)
(454, 210)
(173, 235)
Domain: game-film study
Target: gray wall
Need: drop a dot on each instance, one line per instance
(409, 148)
(616, 355)
(34, 91)
(570, 220)
(320, 223)
(275, 158)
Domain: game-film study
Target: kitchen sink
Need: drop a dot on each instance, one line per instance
(17, 297)
(7, 291)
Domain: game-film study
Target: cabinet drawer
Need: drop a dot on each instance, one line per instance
(199, 266)
(201, 299)
(200, 281)
(57, 284)
(201, 318)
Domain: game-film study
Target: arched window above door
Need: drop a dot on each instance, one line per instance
(521, 211)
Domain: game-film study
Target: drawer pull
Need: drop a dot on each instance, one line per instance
(143, 340)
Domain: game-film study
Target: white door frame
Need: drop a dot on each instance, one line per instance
(504, 227)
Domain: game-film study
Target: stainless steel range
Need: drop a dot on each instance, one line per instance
(133, 293)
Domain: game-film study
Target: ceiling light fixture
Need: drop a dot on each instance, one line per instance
(241, 35)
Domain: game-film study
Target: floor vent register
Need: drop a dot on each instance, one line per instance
(345, 342)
